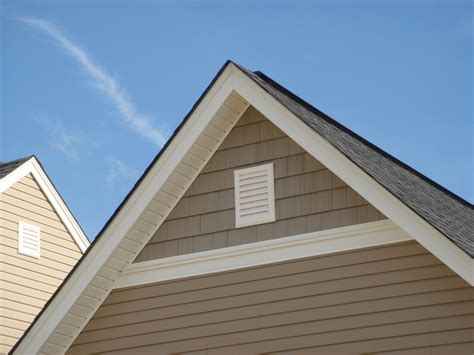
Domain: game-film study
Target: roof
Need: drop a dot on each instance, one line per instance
(444, 210)
(7, 167)
(355, 157)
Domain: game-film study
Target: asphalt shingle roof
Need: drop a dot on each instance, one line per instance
(445, 211)
(7, 167)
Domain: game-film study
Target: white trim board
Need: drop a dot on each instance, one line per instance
(120, 241)
(31, 166)
(261, 253)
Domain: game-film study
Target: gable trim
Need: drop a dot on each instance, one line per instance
(32, 166)
(318, 243)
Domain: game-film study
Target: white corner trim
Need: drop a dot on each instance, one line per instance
(260, 253)
(32, 167)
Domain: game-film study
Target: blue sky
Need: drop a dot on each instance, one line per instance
(93, 88)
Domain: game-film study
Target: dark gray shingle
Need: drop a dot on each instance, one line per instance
(7, 167)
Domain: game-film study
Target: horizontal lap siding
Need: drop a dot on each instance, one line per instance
(27, 283)
(308, 197)
(373, 300)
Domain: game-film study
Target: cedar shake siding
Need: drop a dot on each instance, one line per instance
(308, 197)
(389, 299)
(26, 283)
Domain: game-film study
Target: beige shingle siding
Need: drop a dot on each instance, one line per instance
(389, 298)
(308, 196)
(27, 282)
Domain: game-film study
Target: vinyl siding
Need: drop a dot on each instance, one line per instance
(308, 196)
(390, 299)
(26, 283)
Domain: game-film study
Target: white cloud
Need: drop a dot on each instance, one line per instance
(103, 81)
(61, 138)
(118, 170)
(67, 143)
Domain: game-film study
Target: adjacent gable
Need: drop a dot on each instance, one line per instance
(13, 171)
(27, 282)
(308, 196)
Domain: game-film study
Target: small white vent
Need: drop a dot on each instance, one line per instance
(28, 239)
(254, 195)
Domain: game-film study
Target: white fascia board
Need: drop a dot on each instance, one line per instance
(261, 253)
(428, 236)
(128, 214)
(32, 167)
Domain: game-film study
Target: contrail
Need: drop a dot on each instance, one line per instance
(104, 82)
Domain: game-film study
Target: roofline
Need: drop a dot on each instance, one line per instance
(330, 120)
(365, 141)
(155, 159)
(33, 166)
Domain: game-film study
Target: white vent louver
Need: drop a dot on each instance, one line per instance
(254, 195)
(28, 239)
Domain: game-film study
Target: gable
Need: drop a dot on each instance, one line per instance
(308, 196)
(172, 172)
(28, 282)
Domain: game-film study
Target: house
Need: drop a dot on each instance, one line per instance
(264, 226)
(40, 242)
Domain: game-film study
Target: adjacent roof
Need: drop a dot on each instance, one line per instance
(13, 171)
(444, 210)
(7, 167)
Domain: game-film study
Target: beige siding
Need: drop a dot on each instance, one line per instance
(308, 196)
(27, 283)
(383, 299)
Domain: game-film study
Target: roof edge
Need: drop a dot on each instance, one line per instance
(365, 141)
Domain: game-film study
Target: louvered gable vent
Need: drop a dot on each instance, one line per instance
(28, 239)
(254, 195)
